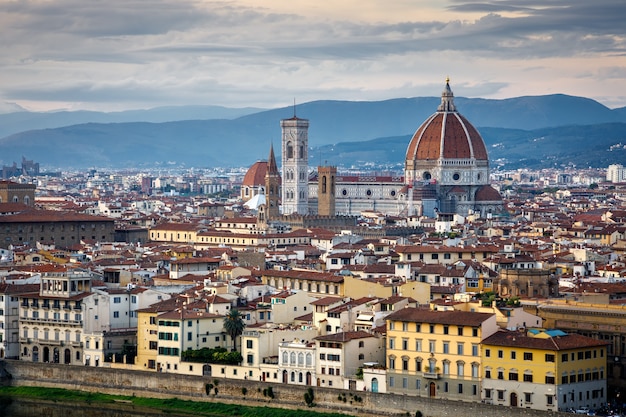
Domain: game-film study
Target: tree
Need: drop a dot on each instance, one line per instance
(234, 325)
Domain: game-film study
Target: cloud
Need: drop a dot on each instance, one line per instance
(196, 52)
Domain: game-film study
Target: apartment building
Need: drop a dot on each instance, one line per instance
(436, 353)
(544, 370)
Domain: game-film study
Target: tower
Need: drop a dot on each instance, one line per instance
(326, 190)
(295, 165)
(272, 187)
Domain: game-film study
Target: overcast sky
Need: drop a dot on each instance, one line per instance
(128, 54)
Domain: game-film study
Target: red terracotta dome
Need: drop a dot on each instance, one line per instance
(255, 175)
(487, 193)
(446, 135)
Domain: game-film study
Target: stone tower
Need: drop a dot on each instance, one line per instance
(326, 190)
(272, 187)
(295, 165)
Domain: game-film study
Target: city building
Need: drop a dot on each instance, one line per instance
(436, 354)
(544, 370)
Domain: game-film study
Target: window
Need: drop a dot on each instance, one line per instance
(116, 314)
(446, 347)
(501, 395)
(513, 354)
(405, 364)
(405, 327)
(460, 330)
(392, 343)
(392, 363)
(418, 345)
(528, 356)
(488, 373)
(564, 357)
(460, 388)
(405, 344)
(460, 369)
(549, 399)
(549, 357)
(513, 376)
(474, 350)
(445, 330)
(500, 354)
(117, 300)
(528, 397)
(249, 344)
(550, 379)
(432, 328)
(500, 374)
(488, 353)
(391, 325)
(528, 377)
(459, 349)
(487, 393)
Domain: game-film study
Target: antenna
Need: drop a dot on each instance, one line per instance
(294, 108)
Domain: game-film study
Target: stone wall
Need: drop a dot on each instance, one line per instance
(165, 385)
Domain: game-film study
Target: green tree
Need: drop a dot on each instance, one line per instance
(234, 325)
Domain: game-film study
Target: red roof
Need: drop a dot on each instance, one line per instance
(256, 174)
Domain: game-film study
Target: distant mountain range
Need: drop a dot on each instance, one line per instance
(537, 131)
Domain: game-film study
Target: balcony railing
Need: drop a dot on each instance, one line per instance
(431, 375)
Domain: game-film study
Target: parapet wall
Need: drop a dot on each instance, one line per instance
(166, 385)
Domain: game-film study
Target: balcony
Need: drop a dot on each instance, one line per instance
(431, 375)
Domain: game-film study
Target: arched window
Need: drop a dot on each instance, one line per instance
(292, 358)
(301, 152)
(324, 184)
(309, 359)
(289, 150)
(300, 359)
(285, 358)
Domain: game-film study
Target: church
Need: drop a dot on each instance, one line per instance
(446, 172)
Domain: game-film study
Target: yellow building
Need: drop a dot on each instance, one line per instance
(543, 370)
(605, 322)
(385, 288)
(436, 353)
(317, 284)
(147, 334)
(175, 232)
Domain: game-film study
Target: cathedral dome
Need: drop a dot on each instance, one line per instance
(446, 135)
(487, 193)
(255, 175)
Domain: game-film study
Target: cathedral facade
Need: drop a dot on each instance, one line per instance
(446, 171)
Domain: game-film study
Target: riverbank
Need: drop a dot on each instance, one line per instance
(212, 389)
(37, 397)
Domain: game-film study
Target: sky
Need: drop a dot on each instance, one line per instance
(113, 55)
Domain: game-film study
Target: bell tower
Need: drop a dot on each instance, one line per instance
(295, 166)
(326, 190)
(272, 187)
